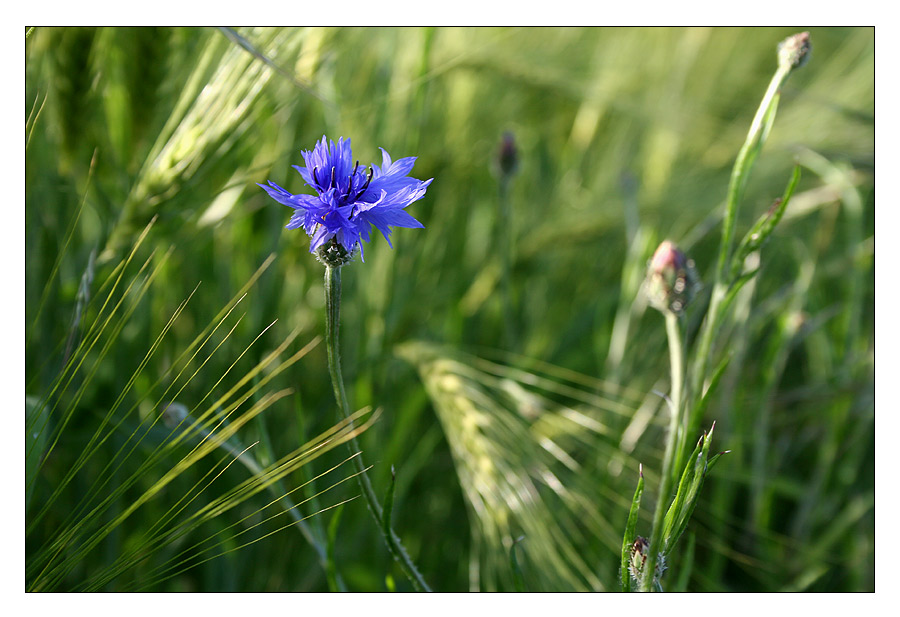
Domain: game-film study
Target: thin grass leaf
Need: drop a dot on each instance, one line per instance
(77, 360)
(334, 581)
(73, 226)
(712, 387)
(35, 442)
(700, 471)
(515, 567)
(675, 511)
(176, 531)
(630, 532)
(181, 568)
(760, 232)
(685, 566)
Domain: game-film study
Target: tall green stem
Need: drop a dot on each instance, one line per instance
(504, 242)
(756, 137)
(676, 430)
(332, 344)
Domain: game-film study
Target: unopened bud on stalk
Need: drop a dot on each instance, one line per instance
(671, 279)
(639, 550)
(333, 254)
(793, 52)
(508, 155)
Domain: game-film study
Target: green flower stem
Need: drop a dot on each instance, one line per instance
(332, 344)
(504, 242)
(756, 137)
(676, 431)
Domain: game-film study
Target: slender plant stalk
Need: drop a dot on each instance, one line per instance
(332, 344)
(676, 404)
(756, 137)
(505, 246)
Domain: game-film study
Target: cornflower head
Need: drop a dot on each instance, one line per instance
(349, 199)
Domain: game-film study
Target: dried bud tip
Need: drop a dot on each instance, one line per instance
(793, 52)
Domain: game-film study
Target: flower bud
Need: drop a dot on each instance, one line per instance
(508, 155)
(333, 254)
(671, 279)
(793, 52)
(639, 550)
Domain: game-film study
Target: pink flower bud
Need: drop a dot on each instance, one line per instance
(671, 279)
(793, 52)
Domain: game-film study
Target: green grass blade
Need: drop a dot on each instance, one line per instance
(630, 530)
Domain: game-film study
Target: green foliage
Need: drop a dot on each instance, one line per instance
(630, 528)
(762, 229)
(688, 492)
(515, 567)
(625, 137)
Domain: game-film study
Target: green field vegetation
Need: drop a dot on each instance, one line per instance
(510, 373)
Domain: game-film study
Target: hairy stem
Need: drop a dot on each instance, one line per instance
(676, 404)
(332, 344)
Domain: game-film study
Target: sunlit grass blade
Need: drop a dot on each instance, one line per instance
(630, 529)
(171, 532)
(67, 376)
(124, 453)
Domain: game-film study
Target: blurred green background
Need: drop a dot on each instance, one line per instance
(527, 418)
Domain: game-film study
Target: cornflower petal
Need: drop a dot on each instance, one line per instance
(279, 194)
(350, 199)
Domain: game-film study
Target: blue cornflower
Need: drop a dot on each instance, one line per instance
(349, 199)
